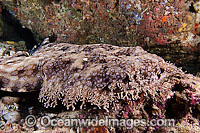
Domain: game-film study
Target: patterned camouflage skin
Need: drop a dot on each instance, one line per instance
(100, 74)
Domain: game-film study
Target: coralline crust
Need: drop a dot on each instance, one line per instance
(101, 74)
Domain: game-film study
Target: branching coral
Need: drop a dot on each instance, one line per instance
(101, 74)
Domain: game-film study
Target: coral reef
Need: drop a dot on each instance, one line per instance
(127, 23)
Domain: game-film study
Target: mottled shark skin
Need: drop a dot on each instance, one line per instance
(99, 73)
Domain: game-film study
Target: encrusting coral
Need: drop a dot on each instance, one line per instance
(100, 74)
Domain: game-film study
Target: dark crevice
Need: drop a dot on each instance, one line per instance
(181, 56)
(175, 109)
(15, 31)
(19, 94)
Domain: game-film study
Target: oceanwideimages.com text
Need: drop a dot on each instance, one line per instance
(46, 121)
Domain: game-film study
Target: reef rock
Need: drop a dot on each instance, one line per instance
(100, 74)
